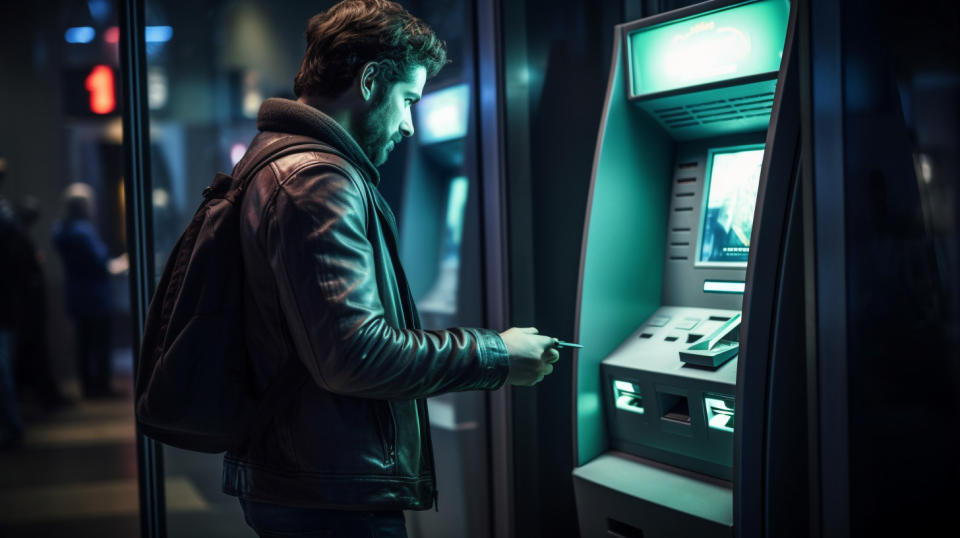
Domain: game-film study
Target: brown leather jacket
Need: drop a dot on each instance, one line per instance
(324, 285)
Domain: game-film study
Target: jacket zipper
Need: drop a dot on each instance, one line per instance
(433, 462)
(388, 430)
(391, 237)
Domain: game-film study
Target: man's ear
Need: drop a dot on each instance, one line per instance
(368, 79)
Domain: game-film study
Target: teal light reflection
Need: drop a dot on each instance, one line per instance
(456, 204)
(442, 115)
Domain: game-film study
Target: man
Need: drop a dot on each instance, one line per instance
(87, 269)
(323, 286)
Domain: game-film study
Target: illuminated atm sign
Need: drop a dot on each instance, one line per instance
(735, 42)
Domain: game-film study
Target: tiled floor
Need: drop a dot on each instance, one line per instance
(76, 476)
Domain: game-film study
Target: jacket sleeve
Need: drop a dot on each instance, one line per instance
(324, 266)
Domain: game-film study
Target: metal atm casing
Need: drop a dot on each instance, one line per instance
(636, 471)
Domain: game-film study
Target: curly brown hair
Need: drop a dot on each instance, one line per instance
(342, 39)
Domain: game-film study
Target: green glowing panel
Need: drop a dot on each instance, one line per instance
(628, 397)
(731, 43)
(720, 411)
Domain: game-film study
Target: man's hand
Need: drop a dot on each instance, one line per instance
(531, 355)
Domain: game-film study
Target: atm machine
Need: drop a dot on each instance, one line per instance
(686, 143)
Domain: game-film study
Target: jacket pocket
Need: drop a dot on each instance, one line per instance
(386, 424)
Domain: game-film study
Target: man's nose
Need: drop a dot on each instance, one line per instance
(406, 126)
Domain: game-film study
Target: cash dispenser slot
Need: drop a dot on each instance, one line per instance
(716, 348)
(674, 408)
(628, 396)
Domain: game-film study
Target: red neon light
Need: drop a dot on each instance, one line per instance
(112, 35)
(100, 85)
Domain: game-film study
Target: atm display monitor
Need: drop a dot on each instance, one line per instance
(733, 175)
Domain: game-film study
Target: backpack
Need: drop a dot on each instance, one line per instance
(194, 389)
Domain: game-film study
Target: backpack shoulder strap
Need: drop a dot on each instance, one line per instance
(232, 186)
(251, 164)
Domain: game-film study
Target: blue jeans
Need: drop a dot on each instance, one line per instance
(276, 521)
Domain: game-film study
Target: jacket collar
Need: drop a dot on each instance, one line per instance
(293, 117)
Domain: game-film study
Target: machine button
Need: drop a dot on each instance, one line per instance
(658, 321)
(688, 323)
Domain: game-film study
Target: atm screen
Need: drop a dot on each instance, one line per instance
(733, 175)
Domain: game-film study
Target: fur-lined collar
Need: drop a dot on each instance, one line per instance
(294, 117)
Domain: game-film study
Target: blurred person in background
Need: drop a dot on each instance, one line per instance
(33, 357)
(87, 271)
(11, 426)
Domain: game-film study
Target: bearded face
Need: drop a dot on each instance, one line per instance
(387, 117)
(378, 132)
